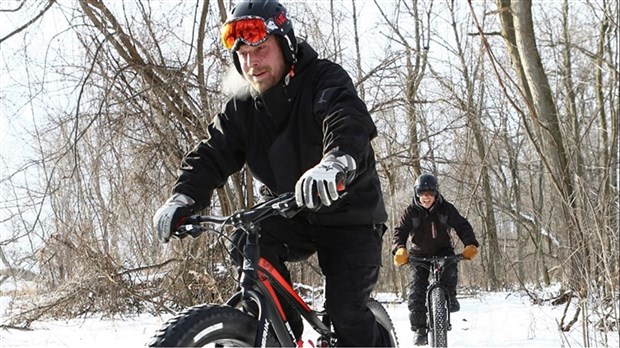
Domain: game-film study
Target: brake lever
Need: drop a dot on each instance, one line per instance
(287, 207)
(187, 230)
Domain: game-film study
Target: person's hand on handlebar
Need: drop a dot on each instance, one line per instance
(320, 184)
(401, 256)
(469, 252)
(171, 215)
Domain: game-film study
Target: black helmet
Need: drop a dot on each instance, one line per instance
(276, 22)
(426, 182)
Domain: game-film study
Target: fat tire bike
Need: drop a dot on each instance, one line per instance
(437, 297)
(231, 324)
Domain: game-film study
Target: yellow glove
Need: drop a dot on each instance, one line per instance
(401, 257)
(470, 252)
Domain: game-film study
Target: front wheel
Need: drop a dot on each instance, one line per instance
(210, 325)
(383, 318)
(439, 318)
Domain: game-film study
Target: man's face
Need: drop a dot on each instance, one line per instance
(263, 65)
(427, 198)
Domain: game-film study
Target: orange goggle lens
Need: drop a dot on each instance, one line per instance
(251, 31)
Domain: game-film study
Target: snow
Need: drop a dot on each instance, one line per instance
(500, 319)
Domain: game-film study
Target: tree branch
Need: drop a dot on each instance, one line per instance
(18, 30)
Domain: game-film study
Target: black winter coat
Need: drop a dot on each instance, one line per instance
(287, 130)
(428, 230)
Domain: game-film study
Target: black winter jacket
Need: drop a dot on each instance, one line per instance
(428, 230)
(287, 130)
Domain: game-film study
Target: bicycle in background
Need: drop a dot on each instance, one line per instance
(437, 297)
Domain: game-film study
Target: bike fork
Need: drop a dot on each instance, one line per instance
(268, 318)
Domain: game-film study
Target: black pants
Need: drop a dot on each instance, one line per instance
(350, 258)
(418, 285)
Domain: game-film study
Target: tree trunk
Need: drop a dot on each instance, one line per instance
(543, 112)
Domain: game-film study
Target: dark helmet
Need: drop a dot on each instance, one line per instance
(276, 21)
(426, 182)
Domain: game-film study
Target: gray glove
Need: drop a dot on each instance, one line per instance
(322, 181)
(171, 215)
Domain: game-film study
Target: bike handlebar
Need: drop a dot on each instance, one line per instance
(437, 258)
(283, 205)
(434, 259)
(436, 263)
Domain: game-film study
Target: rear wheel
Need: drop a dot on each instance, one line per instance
(383, 318)
(210, 326)
(439, 318)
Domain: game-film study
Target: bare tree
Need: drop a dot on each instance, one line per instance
(514, 105)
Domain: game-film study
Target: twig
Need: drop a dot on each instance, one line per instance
(16, 31)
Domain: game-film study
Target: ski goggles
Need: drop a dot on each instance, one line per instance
(249, 30)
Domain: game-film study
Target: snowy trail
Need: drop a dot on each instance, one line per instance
(488, 320)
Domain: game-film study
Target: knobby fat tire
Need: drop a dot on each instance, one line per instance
(207, 324)
(383, 318)
(439, 325)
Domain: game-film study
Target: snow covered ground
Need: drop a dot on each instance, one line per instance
(487, 320)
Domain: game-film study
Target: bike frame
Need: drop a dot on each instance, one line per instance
(260, 281)
(262, 286)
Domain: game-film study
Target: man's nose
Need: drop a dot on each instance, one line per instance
(252, 59)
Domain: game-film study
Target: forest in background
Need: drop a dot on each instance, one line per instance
(514, 105)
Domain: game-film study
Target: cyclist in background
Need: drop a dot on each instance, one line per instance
(426, 224)
(300, 126)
